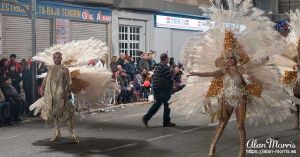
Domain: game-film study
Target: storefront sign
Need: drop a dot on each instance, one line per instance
(62, 31)
(59, 10)
(181, 23)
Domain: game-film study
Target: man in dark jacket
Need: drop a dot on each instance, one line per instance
(130, 68)
(144, 63)
(5, 114)
(162, 87)
(11, 95)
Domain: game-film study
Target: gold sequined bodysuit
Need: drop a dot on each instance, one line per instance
(233, 90)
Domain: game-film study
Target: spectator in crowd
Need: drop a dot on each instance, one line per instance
(126, 93)
(146, 84)
(121, 59)
(27, 85)
(15, 78)
(11, 95)
(5, 115)
(42, 68)
(177, 79)
(119, 69)
(138, 83)
(113, 63)
(162, 86)
(140, 55)
(92, 62)
(113, 66)
(152, 61)
(12, 61)
(130, 68)
(144, 63)
(180, 66)
(4, 67)
(172, 63)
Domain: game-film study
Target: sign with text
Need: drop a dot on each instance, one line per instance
(62, 31)
(181, 23)
(60, 10)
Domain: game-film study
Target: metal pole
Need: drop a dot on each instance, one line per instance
(33, 40)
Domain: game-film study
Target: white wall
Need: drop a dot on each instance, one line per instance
(162, 41)
(170, 40)
(179, 38)
(158, 39)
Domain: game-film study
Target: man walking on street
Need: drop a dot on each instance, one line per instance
(162, 87)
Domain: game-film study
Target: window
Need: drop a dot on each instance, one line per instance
(287, 5)
(129, 40)
(262, 4)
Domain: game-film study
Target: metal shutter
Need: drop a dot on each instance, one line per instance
(17, 36)
(84, 30)
(44, 34)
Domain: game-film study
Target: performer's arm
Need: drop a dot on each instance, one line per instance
(43, 86)
(217, 73)
(66, 83)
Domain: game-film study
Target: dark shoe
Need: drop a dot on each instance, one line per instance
(145, 121)
(10, 124)
(169, 124)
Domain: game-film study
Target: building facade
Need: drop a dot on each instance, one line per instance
(126, 26)
(278, 8)
(57, 23)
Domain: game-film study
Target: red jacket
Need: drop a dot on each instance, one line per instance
(18, 65)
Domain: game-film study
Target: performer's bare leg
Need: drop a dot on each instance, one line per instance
(57, 134)
(73, 138)
(241, 117)
(226, 112)
(297, 125)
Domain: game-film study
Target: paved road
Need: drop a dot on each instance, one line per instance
(121, 134)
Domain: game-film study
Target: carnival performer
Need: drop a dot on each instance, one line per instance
(68, 72)
(289, 61)
(238, 60)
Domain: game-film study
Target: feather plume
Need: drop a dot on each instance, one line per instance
(75, 53)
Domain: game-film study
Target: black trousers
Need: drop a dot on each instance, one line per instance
(5, 112)
(15, 108)
(162, 97)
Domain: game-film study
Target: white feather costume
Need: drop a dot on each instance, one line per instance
(92, 86)
(255, 34)
(288, 61)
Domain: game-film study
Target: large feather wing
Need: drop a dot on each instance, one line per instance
(294, 35)
(199, 56)
(275, 102)
(75, 53)
(192, 99)
(99, 88)
(253, 31)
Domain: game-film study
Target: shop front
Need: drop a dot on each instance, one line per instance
(57, 23)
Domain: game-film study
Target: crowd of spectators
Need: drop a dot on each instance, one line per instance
(15, 79)
(134, 76)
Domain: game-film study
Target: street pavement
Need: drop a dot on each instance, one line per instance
(120, 133)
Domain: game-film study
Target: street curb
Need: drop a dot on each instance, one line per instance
(111, 107)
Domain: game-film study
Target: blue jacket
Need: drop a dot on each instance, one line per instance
(130, 68)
